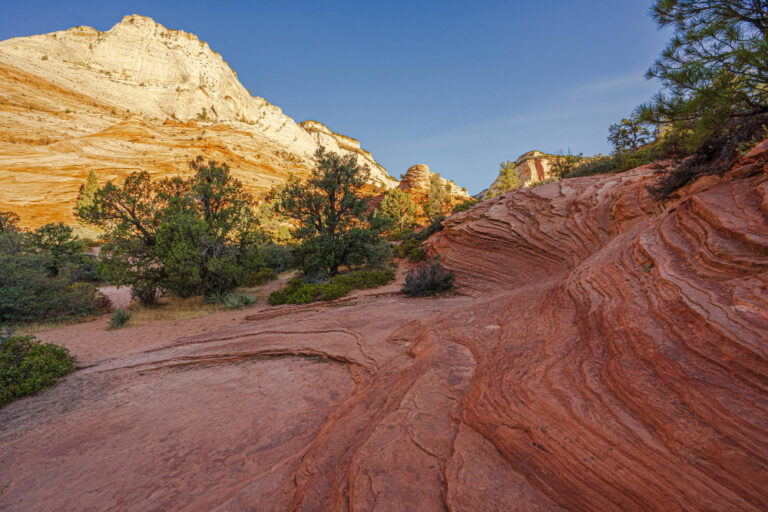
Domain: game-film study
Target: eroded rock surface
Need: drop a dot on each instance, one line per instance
(609, 353)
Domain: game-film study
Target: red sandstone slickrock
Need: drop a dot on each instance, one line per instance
(609, 352)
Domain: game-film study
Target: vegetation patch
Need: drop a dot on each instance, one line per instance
(28, 366)
(428, 278)
(45, 276)
(119, 319)
(298, 291)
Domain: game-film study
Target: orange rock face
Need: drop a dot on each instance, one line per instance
(608, 353)
(416, 182)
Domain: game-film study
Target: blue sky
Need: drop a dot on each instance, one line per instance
(459, 86)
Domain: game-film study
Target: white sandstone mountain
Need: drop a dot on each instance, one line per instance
(160, 74)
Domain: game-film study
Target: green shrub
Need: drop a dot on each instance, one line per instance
(27, 366)
(333, 290)
(119, 319)
(411, 249)
(296, 291)
(464, 205)
(29, 294)
(262, 276)
(238, 300)
(278, 257)
(428, 278)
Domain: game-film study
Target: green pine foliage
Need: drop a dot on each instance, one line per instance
(508, 180)
(333, 224)
(714, 74)
(184, 236)
(438, 201)
(398, 211)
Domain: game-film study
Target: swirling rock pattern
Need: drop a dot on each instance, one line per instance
(608, 353)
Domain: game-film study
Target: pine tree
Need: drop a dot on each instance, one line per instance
(438, 200)
(87, 194)
(714, 68)
(508, 180)
(629, 134)
(398, 211)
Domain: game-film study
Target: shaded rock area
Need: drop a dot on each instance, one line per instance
(608, 352)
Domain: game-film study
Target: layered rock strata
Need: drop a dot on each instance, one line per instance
(607, 352)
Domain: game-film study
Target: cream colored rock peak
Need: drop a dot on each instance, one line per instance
(142, 67)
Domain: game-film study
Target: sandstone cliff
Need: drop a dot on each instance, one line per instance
(138, 96)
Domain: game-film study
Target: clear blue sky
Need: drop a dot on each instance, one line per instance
(459, 86)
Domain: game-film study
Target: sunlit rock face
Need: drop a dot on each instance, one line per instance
(416, 182)
(136, 96)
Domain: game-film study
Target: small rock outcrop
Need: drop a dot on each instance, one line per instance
(416, 182)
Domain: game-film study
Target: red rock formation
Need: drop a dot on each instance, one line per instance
(610, 353)
(416, 182)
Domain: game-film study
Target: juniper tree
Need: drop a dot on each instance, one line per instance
(331, 213)
(186, 236)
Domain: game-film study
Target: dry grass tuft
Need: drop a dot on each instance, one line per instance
(173, 309)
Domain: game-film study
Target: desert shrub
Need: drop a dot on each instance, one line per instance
(28, 366)
(119, 319)
(411, 249)
(238, 300)
(364, 279)
(620, 162)
(260, 277)
(332, 290)
(428, 278)
(298, 291)
(464, 205)
(278, 257)
(29, 294)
